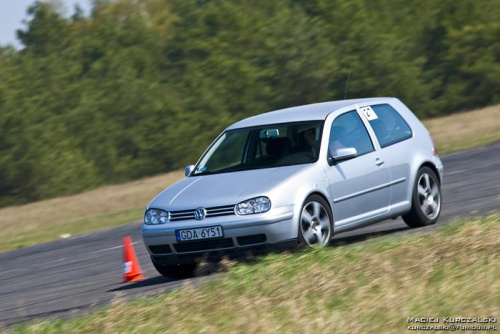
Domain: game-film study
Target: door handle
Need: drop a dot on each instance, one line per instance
(378, 162)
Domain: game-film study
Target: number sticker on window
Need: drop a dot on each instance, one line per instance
(369, 113)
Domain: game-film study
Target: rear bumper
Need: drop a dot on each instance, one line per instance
(439, 166)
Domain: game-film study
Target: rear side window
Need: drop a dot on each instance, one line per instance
(389, 127)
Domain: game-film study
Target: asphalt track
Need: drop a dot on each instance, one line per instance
(75, 276)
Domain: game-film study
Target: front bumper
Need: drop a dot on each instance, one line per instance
(238, 252)
(256, 233)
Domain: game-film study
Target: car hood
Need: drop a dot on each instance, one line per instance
(222, 189)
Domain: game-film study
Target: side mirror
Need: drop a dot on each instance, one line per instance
(342, 154)
(188, 170)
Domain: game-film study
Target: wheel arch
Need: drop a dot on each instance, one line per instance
(320, 194)
(418, 164)
(432, 167)
(413, 218)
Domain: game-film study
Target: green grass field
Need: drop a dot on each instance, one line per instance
(369, 287)
(120, 204)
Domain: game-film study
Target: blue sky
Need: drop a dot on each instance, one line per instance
(13, 12)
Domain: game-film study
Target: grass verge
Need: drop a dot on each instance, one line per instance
(25, 238)
(86, 212)
(465, 130)
(120, 204)
(371, 287)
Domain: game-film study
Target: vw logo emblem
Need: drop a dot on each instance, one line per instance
(200, 213)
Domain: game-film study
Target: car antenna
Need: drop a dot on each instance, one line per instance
(347, 83)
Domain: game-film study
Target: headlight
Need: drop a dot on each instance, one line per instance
(155, 217)
(253, 205)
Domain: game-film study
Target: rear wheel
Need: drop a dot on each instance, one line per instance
(426, 199)
(175, 270)
(316, 223)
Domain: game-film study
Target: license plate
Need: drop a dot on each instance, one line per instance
(210, 232)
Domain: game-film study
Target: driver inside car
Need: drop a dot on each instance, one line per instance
(309, 142)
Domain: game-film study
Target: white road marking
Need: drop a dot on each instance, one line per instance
(111, 248)
(62, 259)
(454, 172)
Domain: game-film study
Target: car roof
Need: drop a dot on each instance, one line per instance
(309, 112)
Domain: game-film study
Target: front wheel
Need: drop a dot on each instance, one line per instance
(426, 199)
(175, 270)
(316, 223)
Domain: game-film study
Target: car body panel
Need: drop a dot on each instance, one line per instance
(222, 189)
(359, 191)
(316, 111)
(359, 188)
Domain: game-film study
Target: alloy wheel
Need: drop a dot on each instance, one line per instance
(315, 224)
(428, 196)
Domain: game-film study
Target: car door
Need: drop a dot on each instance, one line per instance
(359, 186)
(393, 134)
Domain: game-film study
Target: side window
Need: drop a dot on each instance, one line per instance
(349, 131)
(389, 127)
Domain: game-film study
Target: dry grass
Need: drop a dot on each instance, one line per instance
(120, 204)
(465, 130)
(95, 202)
(363, 288)
(98, 208)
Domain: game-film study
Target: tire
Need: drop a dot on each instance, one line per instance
(426, 199)
(175, 270)
(316, 223)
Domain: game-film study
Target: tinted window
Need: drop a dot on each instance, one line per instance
(349, 131)
(266, 146)
(389, 126)
(229, 152)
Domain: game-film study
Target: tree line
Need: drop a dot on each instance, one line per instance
(141, 87)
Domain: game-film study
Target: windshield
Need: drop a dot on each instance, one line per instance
(266, 146)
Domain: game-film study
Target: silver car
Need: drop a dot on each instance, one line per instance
(297, 176)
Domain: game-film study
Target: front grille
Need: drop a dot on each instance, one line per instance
(205, 245)
(252, 239)
(160, 249)
(216, 211)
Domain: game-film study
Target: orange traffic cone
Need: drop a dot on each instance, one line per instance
(131, 269)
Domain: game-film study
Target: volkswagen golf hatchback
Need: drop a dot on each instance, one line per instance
(297, 176)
